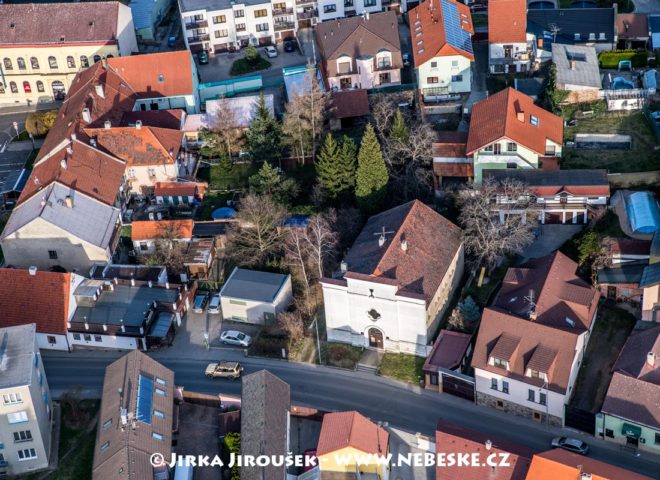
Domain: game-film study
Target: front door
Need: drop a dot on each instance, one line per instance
(375, 338)
(345, 83)
(632, 442)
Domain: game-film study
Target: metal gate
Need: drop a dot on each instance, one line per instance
(457, 384)
(579, 419)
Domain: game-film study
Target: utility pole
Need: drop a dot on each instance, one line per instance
(318, 342)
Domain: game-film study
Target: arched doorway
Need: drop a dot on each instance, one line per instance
(58, 90)
(375, 338)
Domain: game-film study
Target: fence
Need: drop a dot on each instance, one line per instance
(394, 88)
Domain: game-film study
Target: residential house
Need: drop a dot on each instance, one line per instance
(454, 440)
(447, 358)
(255, 297)
(396, 281)
(200, 256)
(350, 435)
(442, 48)
(630, 415)
(593, 27)
(26, 407)
(78, 180)
(218, 26)
(577, 72)
(51, 313)
(147, 15)
(510, 48)
(532, 339)
(337, 9)
(176, 193)
(44, 45)
(360, 52)
(146, 233)
(619, 280)
(135, 420)
(507, 130)
(561, 196)
(265, 422)
(559, 464)
(650, 282)
(633, 30)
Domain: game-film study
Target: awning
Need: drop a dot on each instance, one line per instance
(631, 430)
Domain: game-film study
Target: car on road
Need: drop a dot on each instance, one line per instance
(571, 444)
(214, 304)
(234, 337)
(201, 299)
(203, 57)
(224, 369)
(289, 45)
(271, 52)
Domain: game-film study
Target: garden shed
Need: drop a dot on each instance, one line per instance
(643, 214)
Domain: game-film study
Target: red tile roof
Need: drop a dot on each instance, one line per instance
(165, 189)
(507, 114)
(453, 169)
(507, 21)
(350, 103)
(154, 118)
(448, 350)
(351, 429)
(139, 146)
(632, 25)
(454, 439)
(19, 305)
(152, 229)
(426, 19)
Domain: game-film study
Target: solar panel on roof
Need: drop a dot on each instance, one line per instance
(456, 36)
(145, 397)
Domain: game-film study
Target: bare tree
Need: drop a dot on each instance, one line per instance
(292, 324)
(256, 238)
(297, 255)
(321, 243)
(225, 125)
(489, 237)
(169, 247)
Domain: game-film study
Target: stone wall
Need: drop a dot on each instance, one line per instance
(517, 409)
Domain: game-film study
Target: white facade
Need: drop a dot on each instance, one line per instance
(370, 73)
(444, 76)
(257, 312)
(511, 57)
(331, 9)
(96, 340)
(143, 177)
(566, 208)
(126, 39)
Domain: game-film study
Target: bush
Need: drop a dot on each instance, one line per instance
(233, 445)
(243, 65)
(251, 54)
(465, 315)
(38, 123)
(611, 59)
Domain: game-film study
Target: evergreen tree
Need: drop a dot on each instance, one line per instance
(399, 131)
(264, 137)
(271, 181)
(226, 166)
(328, 167)
(347, 162)
(372, 175)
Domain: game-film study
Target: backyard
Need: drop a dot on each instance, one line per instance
(641, 158)
(402, 367)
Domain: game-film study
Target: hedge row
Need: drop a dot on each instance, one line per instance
(611, 59)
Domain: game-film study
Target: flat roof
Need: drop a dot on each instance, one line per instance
(143, 273)
(253, 285)
(212, 5)
(17, 349)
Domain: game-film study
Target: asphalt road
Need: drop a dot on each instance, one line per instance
(18, 114)
(403, 406)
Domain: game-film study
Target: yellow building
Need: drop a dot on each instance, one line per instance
(44, 46)
(352, 445)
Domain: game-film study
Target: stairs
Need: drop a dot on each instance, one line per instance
(370, 361)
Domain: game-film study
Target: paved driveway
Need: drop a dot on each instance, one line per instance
(551, 238)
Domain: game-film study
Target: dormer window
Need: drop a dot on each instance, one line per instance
(592, 36)
(500, 363)
(537, 374)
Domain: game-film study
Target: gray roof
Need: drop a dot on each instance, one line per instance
(629, 273)
(655, 248)
(551, 178)
(571, 21)
(143, 273)
(88, 219)
(211, 5)
(265, 402)
(586, 72)
(253, 285)
(17, 349)
(209, 229)
(651, 276)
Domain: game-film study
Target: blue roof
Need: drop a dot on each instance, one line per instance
(651, 276)
(297, 221)
(145, 398)
(456, 36)
(654, 23)
(223, 213)
(142, 10)
(643, 214)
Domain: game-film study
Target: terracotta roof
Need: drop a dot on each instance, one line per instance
(559, 464)
(358, 37)
(448, 350)
(351, 429)
(629, 246)
(454, 439)
(139, 146)
(164, 189)
(350, 103)
(432, 242)
(497, 117)
(507, 21)
(558, 293)
(59, 23)
(427, 25)
(550, 183)
(632, 360)
(449, 145)
(152, 229)
(154, 118)
(18, 305)
(453, 169)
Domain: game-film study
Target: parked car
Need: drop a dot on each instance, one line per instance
(171, 41)
(203, 57)
(571, 444)
(199, 305)
(214, 304)
(234, 337)
(224, 369)
(289, 45)
(406, 59)
(271, 52)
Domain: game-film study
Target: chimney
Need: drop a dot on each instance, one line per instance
(573, 64)
(63, 163)
(650, 359)
(107, 124)
(488, 444)
(381, 240)
(138, 124)
(343, 266)
(366, 16)
(520, 116)
(33, 271)
(68, 201)
(87, 117)
(69, 150)
(99, 90)
(404, 245)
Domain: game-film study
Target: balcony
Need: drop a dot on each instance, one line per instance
(198, 39)
(282, 11)
(308, 14)
(197, 24)
(279, 26)
(305, 2)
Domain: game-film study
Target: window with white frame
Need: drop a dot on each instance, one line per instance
(12, 398)
(27, 454)
(22, 436)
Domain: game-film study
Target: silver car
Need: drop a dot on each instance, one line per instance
(214, 304)
(571, 444)
(234, 337)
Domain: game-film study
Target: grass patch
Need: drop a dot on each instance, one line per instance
(127, 231)
(341, 355)
(243, 66)
(640, 158)
(220, 179)
(400, 366)
(212, 201)
(482, 295)
(269, 343)
(611, 59)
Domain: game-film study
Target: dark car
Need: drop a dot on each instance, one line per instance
(203, 57)
(571, 444)
(200, 302)
(289, 45)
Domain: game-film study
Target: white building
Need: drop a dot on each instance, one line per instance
(510, 47)
(145, 233)
(25, 403)
(531, 341)
(255, 297)
(223, 25)
(331, 9)
(442, 48)
(396, 281)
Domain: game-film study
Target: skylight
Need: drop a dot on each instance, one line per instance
(145, 398)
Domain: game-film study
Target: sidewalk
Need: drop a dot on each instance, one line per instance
(11, 110)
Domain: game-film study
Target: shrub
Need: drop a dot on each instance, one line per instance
(251, 54)
(611, 59)
(38, 123)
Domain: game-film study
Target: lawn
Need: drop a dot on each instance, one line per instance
(243, 66)
(482, 295)
(403, 367)
(212, 201)
(640, 158)
(235, 179)
(340, 355)
(610, 332)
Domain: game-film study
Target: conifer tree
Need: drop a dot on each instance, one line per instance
(372, 175)
(264, 137)
(328, 167)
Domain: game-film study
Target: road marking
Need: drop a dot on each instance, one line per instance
(4, 146)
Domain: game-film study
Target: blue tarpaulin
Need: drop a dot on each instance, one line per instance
(643, 214)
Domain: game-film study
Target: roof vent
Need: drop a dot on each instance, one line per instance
(91, 24)
(650, 359)
(63, 163)
(68, 201)
(488, 444)
(520, 116)
(99, 90)
(92, 142)
(107, 124)
(343, 266)
(69, 150)
(570, 322)
(86, 115)
(32, 270)
(74, 137)
(381, 240)
(138, 124)
(12, 25)
(404, 245)
(366, 16)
